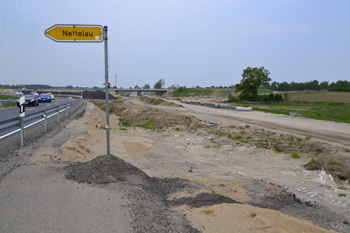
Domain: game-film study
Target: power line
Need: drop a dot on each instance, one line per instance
(13, 34)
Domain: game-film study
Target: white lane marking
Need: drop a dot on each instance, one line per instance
(30, 109)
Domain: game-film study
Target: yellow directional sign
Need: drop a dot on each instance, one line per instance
(75, 33)
(3, 88)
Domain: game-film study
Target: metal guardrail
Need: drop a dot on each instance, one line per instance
(19, 124)
(7, 101)
(15, 100)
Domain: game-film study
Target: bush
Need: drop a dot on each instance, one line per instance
(262, 98)
(231, 99)
(181, 89)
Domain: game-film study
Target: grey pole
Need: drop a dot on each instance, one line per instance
(58, 114)
(22, 131)
(105, 37)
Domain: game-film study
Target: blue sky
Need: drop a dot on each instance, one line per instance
(185, 42)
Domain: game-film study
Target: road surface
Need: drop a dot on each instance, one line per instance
(12, 112)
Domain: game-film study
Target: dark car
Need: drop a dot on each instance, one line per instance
(31, 100)
(45, 97)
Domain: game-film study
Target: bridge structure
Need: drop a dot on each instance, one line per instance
(139, 91)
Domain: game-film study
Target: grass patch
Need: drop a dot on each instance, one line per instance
(123, 129)
(329, 111)
(7, 97)
(192, 92)
(295, 155)
(277, 148)
(311, 165)
(341, 195)
(152, 101)
(194, 127)
(147, 125)
(123, 122)
(117, 102)
(264, 91)
(332, 162)
(102, 127)
(99, 104)
(342, 188)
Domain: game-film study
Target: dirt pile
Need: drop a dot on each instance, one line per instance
(158, 119)
(106, 169)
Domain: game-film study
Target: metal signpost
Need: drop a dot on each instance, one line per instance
(81, 33)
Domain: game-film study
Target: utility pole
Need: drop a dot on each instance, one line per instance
(116, 81)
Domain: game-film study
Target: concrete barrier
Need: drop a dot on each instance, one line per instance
(244, 108)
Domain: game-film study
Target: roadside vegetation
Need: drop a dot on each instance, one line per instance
(158, 101)
(152, 100)
(329, 111)
(183, 91)
(7, 97)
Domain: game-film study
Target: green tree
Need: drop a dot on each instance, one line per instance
(95, 88)
(324, 85)
(146, 86)
(159, 84)
(252, 79)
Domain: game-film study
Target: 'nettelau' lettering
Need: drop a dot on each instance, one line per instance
(76, 33)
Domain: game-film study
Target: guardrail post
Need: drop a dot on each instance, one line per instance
(45, 121)
(71, 107)
(1, 105)
(22, 131)
(58, 114)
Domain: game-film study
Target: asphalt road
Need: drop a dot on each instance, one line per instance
(12, 112)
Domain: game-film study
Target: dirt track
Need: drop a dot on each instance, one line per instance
(327, 131)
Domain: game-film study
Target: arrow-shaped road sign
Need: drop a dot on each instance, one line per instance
(75, 33)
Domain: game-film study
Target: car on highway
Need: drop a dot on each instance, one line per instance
(18, 93)
(34, 93)
(30, 100)
(52, 96)
(45, 97)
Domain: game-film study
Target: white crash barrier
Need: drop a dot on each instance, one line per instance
(217, 105)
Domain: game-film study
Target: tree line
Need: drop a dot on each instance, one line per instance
(312, 85)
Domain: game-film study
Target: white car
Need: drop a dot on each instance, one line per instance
(18, 93)
(52, 97)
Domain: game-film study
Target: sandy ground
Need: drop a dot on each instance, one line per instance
(226, 170)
